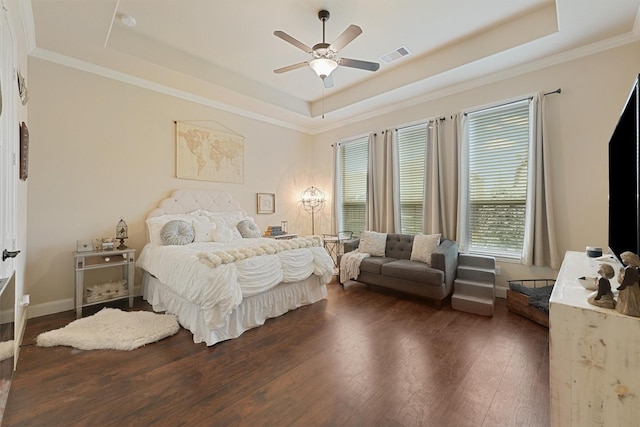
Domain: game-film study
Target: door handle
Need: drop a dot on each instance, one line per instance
(9, 254)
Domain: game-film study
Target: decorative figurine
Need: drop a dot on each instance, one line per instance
(604, 297)
(629, 291)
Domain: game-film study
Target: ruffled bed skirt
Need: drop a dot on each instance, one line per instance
(251, 313)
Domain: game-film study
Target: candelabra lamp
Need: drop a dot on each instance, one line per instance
(313, 201)
(122, 233)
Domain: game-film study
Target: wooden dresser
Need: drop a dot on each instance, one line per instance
(594, 353)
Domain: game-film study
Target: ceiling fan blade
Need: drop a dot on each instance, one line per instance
(346, 37)
(328, 81)
(297, 43)
(356, 63)
(291, 67)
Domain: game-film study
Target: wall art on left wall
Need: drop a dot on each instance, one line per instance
(24, 151)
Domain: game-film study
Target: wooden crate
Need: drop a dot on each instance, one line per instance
(519, 304)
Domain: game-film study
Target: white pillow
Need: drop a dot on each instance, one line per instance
(223, 234)
(423, 247)
(231, 218)
(203, 229)
(373, 243)
(155, 224)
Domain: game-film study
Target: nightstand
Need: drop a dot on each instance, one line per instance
(84, 261)
(333, 244)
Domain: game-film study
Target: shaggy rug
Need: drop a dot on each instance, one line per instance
(6, 350)
(114, 329)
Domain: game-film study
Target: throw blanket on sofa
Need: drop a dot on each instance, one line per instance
(350, 265)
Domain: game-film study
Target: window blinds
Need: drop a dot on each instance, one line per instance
(353, 178)
(412, 142)
(498, 174)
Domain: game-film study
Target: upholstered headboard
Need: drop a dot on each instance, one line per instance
(185, 201)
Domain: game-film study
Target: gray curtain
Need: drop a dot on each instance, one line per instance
(441, 175)
(383, 184)
(540, 248)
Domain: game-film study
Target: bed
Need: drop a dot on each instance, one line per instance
(205, 262)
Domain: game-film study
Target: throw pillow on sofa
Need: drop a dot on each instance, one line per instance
(373, 243)
(423, 247)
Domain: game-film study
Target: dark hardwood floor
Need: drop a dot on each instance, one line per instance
(360, 358)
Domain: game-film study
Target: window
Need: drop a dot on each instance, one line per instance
(352, 160)
(412, 142)
(498, 141)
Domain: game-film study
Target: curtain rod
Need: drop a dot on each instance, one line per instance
(559, 90)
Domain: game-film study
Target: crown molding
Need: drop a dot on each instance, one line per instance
(560, 58)
(109, 73)
(557, 59)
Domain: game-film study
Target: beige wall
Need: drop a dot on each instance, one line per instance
(102, 149)
(580, 122)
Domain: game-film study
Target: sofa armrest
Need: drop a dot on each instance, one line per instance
(350, 245)
(445, 258)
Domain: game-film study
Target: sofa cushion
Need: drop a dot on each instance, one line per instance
(413, 271)
(374, 264)
(423, 247)
(373, 243)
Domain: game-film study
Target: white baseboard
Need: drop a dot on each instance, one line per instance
(44, 309)
(501, 292)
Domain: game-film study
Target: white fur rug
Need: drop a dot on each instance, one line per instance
(114, 329)
(6, 349)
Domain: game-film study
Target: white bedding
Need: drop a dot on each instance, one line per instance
(219, 287)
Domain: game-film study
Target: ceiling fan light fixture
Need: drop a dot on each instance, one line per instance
(323, 67)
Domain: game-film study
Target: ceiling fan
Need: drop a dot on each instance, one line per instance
(324, 55)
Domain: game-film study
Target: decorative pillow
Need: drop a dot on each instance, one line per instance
(224, 231)
(177, 232)
(373, 243)
(248, 228)
(231, 218)
(155, 224)
(223, 234)
(203, 229)
(423, 247)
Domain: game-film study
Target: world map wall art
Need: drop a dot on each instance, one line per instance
(208, 155)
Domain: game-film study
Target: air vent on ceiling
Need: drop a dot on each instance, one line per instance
(395, 54)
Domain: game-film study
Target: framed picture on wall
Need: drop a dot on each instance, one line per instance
(266, 203)
(24, 151)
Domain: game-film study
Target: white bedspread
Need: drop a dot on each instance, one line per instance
(219, 288)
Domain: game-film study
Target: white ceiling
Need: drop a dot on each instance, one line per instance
(223, 52)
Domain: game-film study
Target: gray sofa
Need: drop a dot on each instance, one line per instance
(396, 271)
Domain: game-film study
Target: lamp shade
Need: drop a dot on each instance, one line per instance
(323, 66)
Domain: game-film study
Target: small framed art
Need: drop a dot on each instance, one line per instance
(266, 203)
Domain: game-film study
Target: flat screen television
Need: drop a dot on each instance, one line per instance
(624, 179)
